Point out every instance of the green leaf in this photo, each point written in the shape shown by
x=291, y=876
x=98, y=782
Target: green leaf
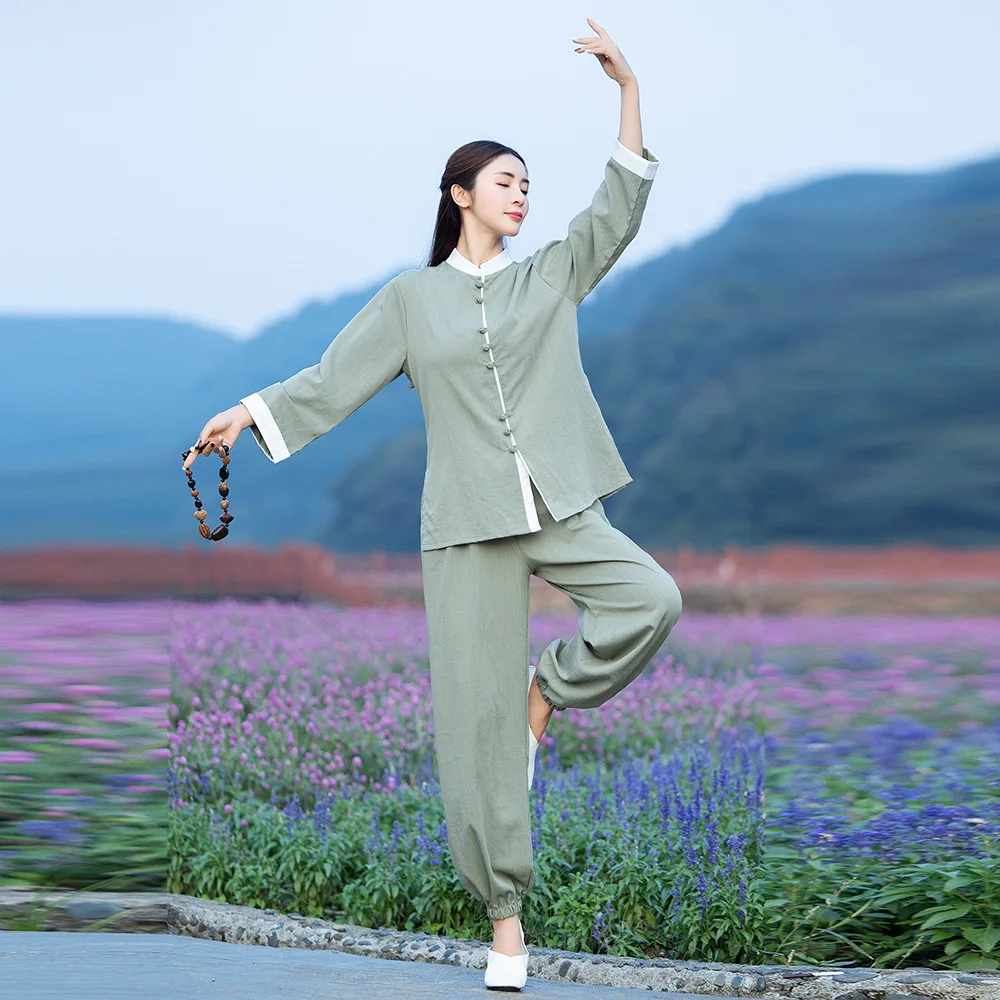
x=957, y=882
x=984, y=938
x=951, y=913
x=974, y=960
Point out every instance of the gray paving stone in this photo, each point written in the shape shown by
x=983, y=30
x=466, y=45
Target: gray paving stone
x=62, y=965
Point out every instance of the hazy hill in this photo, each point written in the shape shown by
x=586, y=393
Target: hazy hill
x=823, y=367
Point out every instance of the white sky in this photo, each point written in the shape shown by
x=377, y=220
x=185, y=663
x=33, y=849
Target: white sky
x=227, y=160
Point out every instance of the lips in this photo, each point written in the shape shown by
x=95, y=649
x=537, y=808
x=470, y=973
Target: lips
x=515, y=215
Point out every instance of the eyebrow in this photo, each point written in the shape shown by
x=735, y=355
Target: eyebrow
x=510, y=175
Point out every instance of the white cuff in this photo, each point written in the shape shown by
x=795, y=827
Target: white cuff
x=265, y=424
x=646, y=169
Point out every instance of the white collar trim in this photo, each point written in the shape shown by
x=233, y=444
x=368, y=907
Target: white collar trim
x=497, y=263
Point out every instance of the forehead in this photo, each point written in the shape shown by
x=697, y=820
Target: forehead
x=509, y=165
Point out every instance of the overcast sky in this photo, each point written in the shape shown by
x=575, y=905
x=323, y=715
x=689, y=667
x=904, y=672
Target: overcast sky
x=225, y=161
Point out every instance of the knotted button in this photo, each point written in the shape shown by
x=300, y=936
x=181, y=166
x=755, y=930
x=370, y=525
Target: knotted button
x=507, y=433
x=504, y=416
x=513, y=447
x=479, y=300
x=480, y=283
x=482, y=329
x=489, y=364
x=486, y=347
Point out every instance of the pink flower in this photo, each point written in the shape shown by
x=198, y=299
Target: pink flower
x=95, y=743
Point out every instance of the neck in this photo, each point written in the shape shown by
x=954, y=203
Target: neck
x=479, y=248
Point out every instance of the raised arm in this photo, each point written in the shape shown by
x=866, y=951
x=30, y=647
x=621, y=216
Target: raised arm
x=597, y=236
x=361, y=360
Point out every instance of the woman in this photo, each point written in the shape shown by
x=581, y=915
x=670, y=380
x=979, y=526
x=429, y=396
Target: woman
x=518, y=461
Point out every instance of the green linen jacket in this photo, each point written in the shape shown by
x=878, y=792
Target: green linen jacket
x=493, y=353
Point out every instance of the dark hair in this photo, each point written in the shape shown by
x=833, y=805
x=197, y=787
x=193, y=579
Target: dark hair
x=461, y=168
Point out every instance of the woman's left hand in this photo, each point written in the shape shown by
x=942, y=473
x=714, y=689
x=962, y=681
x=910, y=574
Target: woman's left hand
x=610, y=57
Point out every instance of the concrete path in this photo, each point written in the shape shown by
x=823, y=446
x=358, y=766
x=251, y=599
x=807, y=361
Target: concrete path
x=63, y=965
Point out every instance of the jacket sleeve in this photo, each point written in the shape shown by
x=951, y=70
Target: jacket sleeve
x=367, y=354
x=598, y=235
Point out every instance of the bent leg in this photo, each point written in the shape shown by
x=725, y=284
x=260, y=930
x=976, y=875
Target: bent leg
x=476, y=603
x=628, y=605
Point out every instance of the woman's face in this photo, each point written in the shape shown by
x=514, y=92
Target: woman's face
x=500, y=196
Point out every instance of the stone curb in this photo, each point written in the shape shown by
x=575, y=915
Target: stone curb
x=163, y=913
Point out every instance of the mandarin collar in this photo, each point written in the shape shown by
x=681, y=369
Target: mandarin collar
x=494, y=264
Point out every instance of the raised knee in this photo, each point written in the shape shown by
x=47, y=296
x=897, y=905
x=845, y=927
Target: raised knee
x=668, y=601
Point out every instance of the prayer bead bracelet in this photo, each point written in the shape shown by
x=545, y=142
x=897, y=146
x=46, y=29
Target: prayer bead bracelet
x=220, y=531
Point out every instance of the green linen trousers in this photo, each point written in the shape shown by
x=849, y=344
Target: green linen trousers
x=477, y=603
x=519, y=459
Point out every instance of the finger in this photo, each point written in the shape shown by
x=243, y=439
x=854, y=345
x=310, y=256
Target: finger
x=597, y=27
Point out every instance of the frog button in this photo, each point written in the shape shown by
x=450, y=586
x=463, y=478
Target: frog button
x=480, y=283
x=490, y=364
x=482, y=329
x=513, y=447
x=486, y=347
x=479, y=300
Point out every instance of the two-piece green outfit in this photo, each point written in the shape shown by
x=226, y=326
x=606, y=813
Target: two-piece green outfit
x=519, y=459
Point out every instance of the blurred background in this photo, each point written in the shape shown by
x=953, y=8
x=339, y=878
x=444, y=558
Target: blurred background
x=797, y=355
x=798, y=348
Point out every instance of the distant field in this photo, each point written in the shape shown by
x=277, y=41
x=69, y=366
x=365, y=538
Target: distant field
x=785, y=579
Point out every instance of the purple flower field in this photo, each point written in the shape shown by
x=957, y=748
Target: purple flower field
x=295, y=698
x=83, y=742
x=270, y=730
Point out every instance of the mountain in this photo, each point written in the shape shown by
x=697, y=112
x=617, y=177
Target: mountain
x=821, y=368
x=100, y=409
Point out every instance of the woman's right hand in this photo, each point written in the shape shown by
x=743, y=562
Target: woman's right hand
x=223, y=428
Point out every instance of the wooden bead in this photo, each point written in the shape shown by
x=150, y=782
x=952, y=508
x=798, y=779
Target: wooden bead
x=220, y=531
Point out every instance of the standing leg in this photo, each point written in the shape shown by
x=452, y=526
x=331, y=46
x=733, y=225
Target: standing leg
x=476, y=602
x=628, y=605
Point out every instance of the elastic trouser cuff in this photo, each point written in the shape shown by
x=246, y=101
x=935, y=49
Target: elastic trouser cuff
x=542, y=685
x=509, y=908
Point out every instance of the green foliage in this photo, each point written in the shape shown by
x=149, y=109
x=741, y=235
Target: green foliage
x=597, y=887
x=933, y=914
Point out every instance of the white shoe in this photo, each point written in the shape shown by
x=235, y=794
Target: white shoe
x=507, y=972
x=532, y=742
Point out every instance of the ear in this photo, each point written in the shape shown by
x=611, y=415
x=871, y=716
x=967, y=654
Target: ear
x=460, y=196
